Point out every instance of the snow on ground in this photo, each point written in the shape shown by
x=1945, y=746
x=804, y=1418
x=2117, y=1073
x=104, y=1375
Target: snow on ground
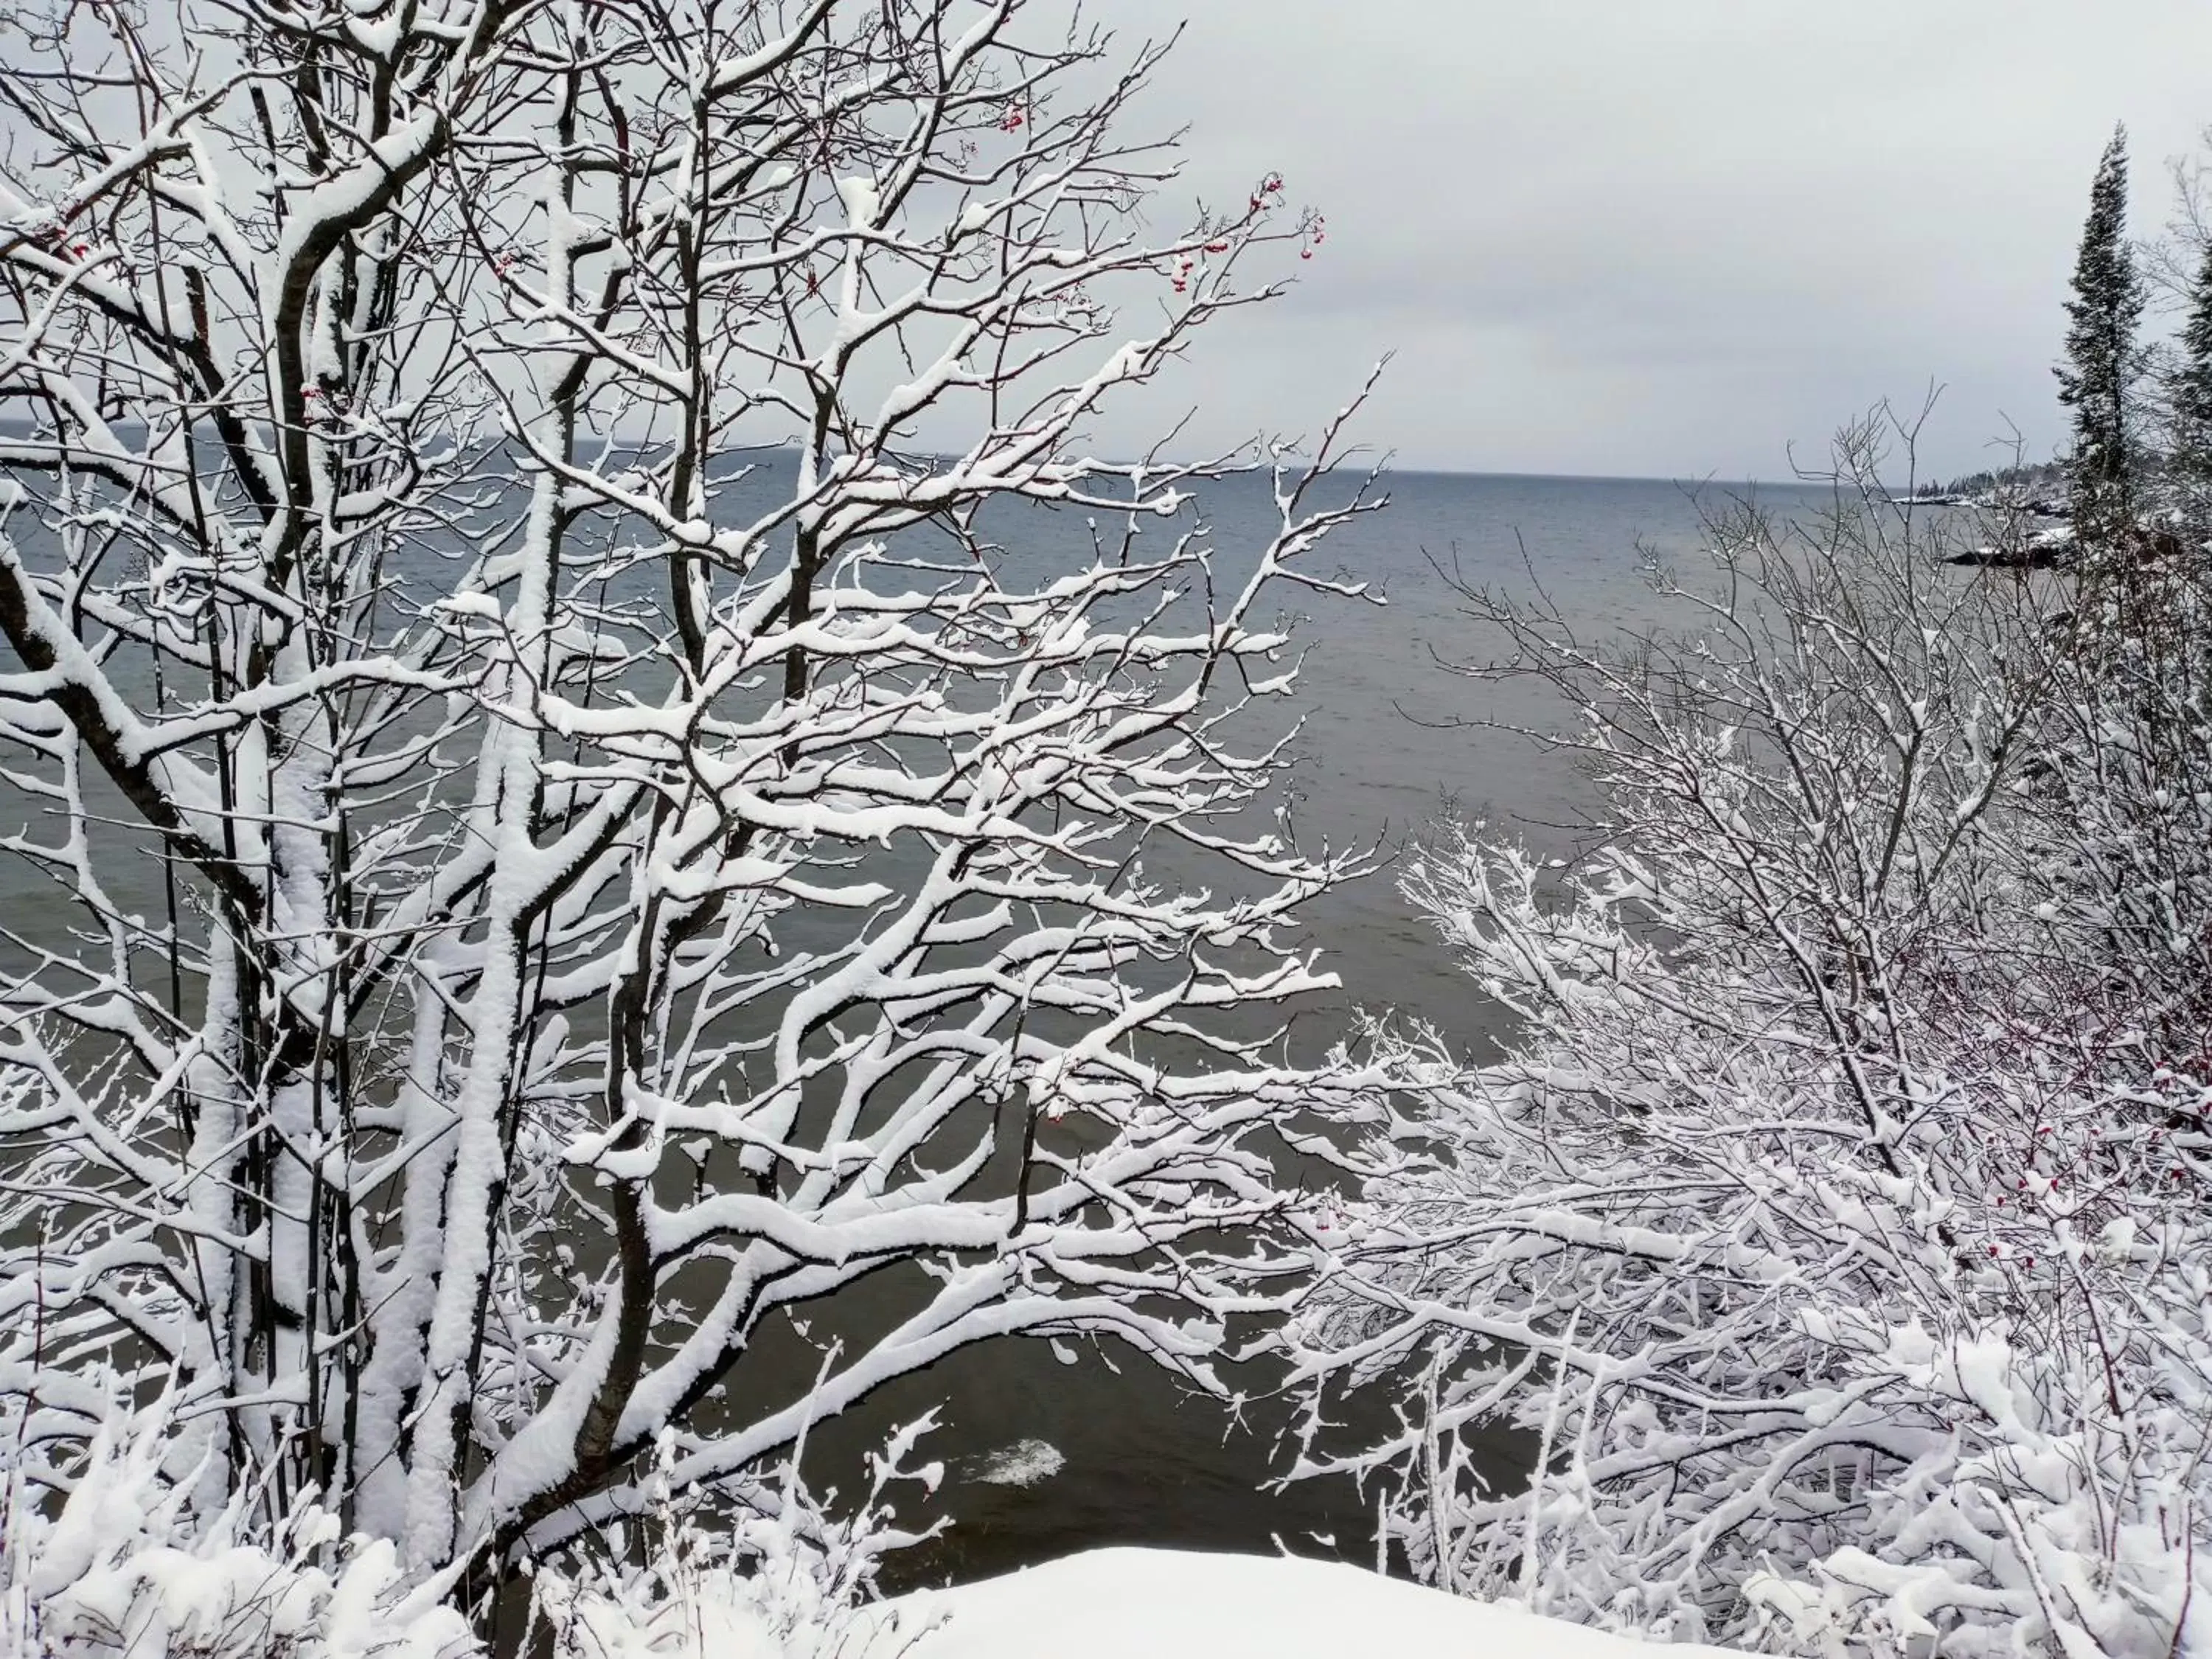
x=1169, y=1604
x=1102, y=1604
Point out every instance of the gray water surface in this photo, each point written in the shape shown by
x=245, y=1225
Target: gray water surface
x=1391, y=744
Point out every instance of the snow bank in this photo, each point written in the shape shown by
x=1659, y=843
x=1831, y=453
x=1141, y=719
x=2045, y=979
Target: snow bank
x=1168, y=1604
x=1108, y=1604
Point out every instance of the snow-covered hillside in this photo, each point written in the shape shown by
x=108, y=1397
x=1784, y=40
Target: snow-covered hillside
x=1167, y=1604
x=1139, y=1604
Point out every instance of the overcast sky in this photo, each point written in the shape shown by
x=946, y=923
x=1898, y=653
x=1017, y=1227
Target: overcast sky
x=1666, y=238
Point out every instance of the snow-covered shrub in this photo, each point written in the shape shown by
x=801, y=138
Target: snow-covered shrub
x=786, y=1582
x=120, y=1565
x=1836, y=1222
x=2119, y=799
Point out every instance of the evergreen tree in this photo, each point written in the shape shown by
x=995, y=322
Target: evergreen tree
x=2097, y=380
x=2192, y=394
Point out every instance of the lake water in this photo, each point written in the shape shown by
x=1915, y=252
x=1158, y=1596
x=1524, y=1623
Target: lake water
x=1045, y=1457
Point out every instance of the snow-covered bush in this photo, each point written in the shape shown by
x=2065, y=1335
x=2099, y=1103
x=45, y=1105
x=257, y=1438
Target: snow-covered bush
x=2120, y=799
x=120, y=1565
x=1837, y=1224
x=791, y=1580
x=116, y=1561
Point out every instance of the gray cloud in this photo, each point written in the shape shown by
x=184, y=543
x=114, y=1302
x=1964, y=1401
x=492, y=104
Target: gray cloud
x=1669, y=237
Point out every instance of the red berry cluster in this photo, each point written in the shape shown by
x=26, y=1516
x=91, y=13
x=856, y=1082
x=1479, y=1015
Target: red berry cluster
x=57, y=241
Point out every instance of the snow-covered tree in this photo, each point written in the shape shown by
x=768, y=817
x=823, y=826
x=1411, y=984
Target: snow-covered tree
x=531, y=908
x=1835, y=1226
x=2191, y=400
x=2097, y=380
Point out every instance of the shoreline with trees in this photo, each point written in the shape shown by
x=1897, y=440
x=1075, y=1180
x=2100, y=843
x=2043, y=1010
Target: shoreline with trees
x=576, y=975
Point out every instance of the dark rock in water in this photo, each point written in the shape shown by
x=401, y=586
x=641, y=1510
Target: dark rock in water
x=2053, y=549
x=2032, y=555
x=2047, y=550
